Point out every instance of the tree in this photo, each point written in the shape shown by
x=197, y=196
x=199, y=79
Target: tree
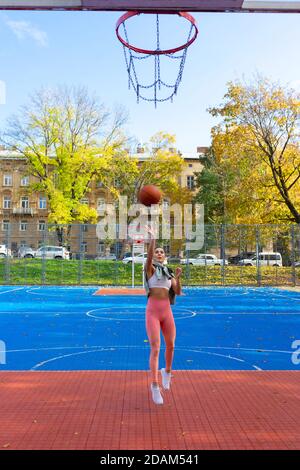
x=162, y=168
x=259, y=134
x=211, y=183
x=68, y=139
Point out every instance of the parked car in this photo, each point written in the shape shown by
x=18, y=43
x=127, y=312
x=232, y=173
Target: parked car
x=137, y=258
x=297, y=264
x=52, y=252
x=110, y=257
x=174, y=260
x=263, y=259
x=205, y=260
x=26, y=252
x=246, y=255
x=5, y=252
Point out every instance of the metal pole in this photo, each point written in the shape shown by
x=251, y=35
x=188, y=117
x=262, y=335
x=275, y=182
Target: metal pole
x=258, y=271
x=293, y=255
x=223, y=253
x=80, y=254
x=7, y=262
x=43, y=261
x=132, y=266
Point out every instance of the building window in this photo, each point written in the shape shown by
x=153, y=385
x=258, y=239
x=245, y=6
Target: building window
x=6, y=202
x=85, y=227
x=7, y=180
x=23, y=244
x=99, y=184
x=23, y=226
x=166, y=249
x=190, y=182
x=84, y=201
x=101, y=248
x=40, y=243
x=5, y=225
x=101, y=203
x=25, y=181
x=42, y=225
x=83, y=247
x=24, y=202
x=43, y=202
x=165, y=204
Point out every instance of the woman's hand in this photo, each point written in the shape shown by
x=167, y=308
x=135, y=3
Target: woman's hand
x=150, y=231
x=178, y=272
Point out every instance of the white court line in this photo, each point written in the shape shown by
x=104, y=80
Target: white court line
x=59, y=288
x=127, y=347
x=258, y=349
x=287, y=297
x=191, y=314
x=11, y=290
x=133, y=346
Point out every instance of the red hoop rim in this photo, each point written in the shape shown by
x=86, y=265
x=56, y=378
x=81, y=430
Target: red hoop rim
x=130, y=14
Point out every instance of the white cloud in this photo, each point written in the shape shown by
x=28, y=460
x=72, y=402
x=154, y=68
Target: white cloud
x=24, y=29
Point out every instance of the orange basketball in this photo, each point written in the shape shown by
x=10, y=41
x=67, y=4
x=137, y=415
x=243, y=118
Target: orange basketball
x=149, y=194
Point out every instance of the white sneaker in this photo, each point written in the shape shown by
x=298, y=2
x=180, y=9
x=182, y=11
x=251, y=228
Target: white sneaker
x=156, y=395
x=166, y=379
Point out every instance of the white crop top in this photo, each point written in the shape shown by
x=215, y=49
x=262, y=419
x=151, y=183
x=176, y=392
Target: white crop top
x=164, y=283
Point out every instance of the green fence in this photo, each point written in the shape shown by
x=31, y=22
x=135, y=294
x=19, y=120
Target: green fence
x=24, y=259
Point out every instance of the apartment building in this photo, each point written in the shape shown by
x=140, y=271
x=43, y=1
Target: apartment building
x=24, y=214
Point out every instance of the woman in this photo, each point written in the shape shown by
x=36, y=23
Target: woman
x=159, y=317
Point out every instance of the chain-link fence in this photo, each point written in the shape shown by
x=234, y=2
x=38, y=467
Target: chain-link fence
x=44, y=254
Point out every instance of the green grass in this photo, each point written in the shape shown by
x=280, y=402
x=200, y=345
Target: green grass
x=73, y=272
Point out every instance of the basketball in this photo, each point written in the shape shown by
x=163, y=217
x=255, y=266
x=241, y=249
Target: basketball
x=149, y=194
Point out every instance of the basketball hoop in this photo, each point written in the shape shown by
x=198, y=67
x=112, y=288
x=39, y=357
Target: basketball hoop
x=133, y=54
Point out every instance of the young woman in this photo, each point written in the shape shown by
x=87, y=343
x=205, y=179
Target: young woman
x=159, y=316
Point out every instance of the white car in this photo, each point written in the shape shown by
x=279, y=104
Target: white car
x=263, y=259
x=26, y=252
x=5, y=252
x=137, y=258
x=110, y=257
x=52, y=252
x=204, y=260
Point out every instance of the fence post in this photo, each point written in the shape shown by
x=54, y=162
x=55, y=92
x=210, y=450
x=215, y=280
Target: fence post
x=223, y=253
x=257, y=249
x=43, y=273
x=7, y=262
x=293, y=255
x=187, y=264
x=80, y=253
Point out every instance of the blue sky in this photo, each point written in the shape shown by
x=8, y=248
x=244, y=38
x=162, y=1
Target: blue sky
x=80, y=48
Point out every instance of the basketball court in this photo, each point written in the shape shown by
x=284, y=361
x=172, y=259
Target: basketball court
x=76, y=375
x=76, y=371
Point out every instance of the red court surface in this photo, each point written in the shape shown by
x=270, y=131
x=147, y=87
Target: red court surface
x=108, y=410
x=120, y=291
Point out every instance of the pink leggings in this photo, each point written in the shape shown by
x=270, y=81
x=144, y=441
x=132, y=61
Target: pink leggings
x=159, y=316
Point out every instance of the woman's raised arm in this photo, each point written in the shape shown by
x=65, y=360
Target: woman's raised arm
x=151, y=248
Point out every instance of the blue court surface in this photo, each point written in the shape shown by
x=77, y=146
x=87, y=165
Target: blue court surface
x=69, y=328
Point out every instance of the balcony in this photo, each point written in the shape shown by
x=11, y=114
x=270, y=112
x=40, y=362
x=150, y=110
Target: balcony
x=24, y=211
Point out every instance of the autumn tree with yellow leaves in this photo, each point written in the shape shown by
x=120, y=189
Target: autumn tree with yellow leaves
x=68, y=139
x=256, y=154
